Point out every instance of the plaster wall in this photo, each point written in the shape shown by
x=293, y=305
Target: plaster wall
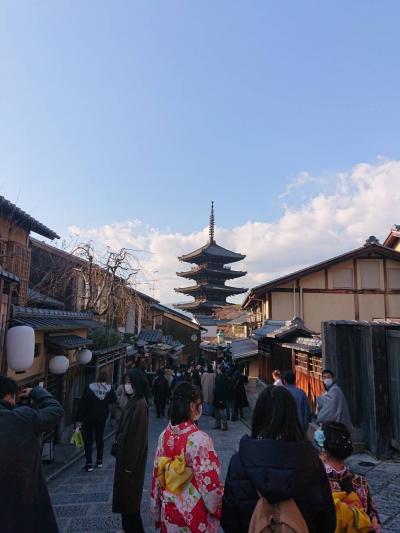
x=313, y=281
x=393, y=301
x=371, y=306
x=283, y=305
x=318, y=307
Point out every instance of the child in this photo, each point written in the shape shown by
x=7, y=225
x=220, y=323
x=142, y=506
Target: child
x=354, y=505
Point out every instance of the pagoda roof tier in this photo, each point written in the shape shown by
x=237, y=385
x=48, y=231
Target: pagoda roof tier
x=202, y=270
x=210, y=287
x=212, y=252
x=195, y=306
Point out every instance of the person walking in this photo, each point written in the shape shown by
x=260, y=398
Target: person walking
x=160, y=392
x=241, y=400
x=302, y=403
x=93, y=410
x=186, y=491
x=207, y=387
x=131, y=443
x=276, y=376
x=123, y=394
x=278, y=463
x=332, y=405
x=220, y=398
x=25, y=502
x=351, y=494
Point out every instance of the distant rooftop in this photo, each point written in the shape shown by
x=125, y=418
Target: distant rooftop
x=16, y=215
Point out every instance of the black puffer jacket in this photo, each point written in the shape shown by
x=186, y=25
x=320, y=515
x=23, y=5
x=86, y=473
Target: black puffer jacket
x=94, y=406
x=279, y=470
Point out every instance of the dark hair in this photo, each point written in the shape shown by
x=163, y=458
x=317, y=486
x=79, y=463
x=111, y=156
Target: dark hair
x=7, y=386
x=102, y=377
x=179, y=409
x=328, y=371
x=123, y=379
x=275, y=416
x=210, y=369
x=289, y=377
x=337, y=440
x=139, y=382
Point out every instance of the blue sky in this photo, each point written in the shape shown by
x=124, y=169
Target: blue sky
x=125, y=119
x=148, y=110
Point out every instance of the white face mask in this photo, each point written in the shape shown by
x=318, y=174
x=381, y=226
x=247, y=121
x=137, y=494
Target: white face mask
x=328, y=382
x=198, y=415
x=128, y=389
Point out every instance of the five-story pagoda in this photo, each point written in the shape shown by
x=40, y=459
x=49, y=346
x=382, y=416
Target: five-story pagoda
x=210, y=275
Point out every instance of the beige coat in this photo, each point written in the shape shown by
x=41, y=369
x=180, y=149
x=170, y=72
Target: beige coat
x=207, y=387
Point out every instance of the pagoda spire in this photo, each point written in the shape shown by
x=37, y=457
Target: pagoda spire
x=212, y=224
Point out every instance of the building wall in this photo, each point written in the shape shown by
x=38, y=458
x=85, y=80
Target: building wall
x=253, y=368
x=283, y=307
x=319, y=307
x=183, y=333
x=352, y=290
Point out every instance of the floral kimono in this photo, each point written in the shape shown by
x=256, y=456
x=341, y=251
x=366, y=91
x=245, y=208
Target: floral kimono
x=345, y=480
x=197, y=508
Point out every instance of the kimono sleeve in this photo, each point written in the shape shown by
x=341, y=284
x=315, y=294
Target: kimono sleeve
x=155, y=496
x=206, y=470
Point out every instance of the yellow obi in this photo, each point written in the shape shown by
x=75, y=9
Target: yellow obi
x=350, y=516
x=173, y=474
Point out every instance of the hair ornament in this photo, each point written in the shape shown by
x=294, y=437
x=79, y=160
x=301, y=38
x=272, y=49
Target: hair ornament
x=319, y=437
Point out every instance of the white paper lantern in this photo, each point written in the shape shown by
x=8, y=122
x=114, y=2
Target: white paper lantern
x=20, y=348
x=84, y=356
x=58, y=364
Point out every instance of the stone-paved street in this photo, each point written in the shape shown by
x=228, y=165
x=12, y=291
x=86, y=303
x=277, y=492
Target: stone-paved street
x=83, y=500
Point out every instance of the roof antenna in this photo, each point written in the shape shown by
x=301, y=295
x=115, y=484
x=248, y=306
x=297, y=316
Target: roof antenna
x=212, y=224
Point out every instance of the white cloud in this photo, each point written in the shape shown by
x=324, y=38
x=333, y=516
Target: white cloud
x=363, y=201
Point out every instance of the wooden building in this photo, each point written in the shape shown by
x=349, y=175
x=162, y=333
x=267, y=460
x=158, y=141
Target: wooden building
x=363, y=284
x=15, y=261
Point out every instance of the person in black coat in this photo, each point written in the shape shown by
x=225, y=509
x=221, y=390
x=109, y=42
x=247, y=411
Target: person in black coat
x=279, y=463
x=93, y=410
x=25, y=502
x=221, y=392
x=240, y=396
x=160, y=392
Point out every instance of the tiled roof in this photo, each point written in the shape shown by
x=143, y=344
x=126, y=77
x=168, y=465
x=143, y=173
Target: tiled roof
x=39, y=298
x=243, y=348
x=52, y=319
x=68, y=342
x=9, y=276
x=268, y=327
x=309, y=345
x=213, y=251
x=16, y=215
x=289, y=328
x=150, y=335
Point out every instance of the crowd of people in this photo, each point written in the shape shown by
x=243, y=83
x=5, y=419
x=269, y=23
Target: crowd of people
x=278, y=478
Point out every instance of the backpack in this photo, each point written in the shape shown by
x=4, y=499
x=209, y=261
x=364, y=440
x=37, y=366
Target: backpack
x=281, y=517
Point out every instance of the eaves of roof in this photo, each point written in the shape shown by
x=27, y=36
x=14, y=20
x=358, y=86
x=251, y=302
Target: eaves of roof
x=363, y=251
x=16, y=215
x=68, y=342
x=9, y=276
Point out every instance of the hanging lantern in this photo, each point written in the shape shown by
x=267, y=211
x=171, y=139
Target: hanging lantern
x=20, y=348
x=84, y=356
x=58, y=364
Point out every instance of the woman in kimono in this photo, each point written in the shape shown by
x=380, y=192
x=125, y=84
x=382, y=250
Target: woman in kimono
x=186, y=493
